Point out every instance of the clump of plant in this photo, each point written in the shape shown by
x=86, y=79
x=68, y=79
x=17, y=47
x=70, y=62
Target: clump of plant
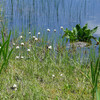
x=80, y=34
x=4, y=51
x=94, y=77
x=95, y=72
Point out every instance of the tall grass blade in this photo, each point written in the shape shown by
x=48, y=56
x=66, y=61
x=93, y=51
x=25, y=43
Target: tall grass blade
x=2, y=67
x=98, y=94
x=2, y=37
x=8, y=44
x=92, y=72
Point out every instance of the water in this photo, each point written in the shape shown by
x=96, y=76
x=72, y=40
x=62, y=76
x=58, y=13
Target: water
x=43, y=14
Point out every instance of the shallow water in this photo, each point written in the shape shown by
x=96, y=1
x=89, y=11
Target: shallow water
x=43, y=14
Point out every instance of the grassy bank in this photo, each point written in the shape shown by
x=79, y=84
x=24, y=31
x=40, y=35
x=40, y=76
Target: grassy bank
x=40, y=69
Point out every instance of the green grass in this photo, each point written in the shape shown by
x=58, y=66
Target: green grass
x=46, y=74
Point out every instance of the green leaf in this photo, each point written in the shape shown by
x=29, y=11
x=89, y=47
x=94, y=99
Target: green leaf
x=85, y=26
x=64, y=35
x=94, y=30
x=2, y=37
x=75, y=31
x=95, y=39
x=7, y=47
x=10, y=54
x=68, y=37
x=78, y=27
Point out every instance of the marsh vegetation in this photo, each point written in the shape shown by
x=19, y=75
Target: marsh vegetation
x=38, y=64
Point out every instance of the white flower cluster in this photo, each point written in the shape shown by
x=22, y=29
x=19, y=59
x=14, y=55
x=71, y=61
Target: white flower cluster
x=18, y=57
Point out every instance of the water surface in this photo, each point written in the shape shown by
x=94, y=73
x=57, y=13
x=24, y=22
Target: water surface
x=43, y=14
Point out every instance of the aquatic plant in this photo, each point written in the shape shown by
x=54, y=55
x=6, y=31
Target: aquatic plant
x=80, y=34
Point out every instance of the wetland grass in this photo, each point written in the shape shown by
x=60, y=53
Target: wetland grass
x=43, y=69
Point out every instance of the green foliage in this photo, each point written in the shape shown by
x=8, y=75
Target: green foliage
x=4, y=51
x=80, y=34
x=70, y=35
x=95, y=71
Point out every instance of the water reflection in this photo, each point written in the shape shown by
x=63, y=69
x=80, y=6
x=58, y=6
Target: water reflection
x=51, y=13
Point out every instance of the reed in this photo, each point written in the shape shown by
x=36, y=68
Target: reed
x=5, y=53
x=95, y=72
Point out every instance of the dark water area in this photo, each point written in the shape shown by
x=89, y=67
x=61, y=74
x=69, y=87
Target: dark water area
x=52, y=14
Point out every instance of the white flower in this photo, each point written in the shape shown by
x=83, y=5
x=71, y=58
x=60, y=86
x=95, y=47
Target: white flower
x=14, y=86
x=21, y=37
x=28, y=50
x=13, y=44
x=29, y=33
x=38, y=33
x=21, y=57
x=49, y=47
x=22, y=44
x=48, y=30
x=17, y=47
x=53, y=75
x=54, y=30
x=61, y=27
x=61, y=74
x=0, y=47
x=17, y=57
x=34, y=37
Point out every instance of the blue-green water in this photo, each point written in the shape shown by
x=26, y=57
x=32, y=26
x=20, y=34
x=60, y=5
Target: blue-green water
x=43, y=14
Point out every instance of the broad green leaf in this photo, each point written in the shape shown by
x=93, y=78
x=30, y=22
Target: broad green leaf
x=85, y=26
x=78, y=27
x=67, y=37
x=94, y=30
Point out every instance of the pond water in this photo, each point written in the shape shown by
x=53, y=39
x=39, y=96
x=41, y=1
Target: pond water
x=43, y=14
